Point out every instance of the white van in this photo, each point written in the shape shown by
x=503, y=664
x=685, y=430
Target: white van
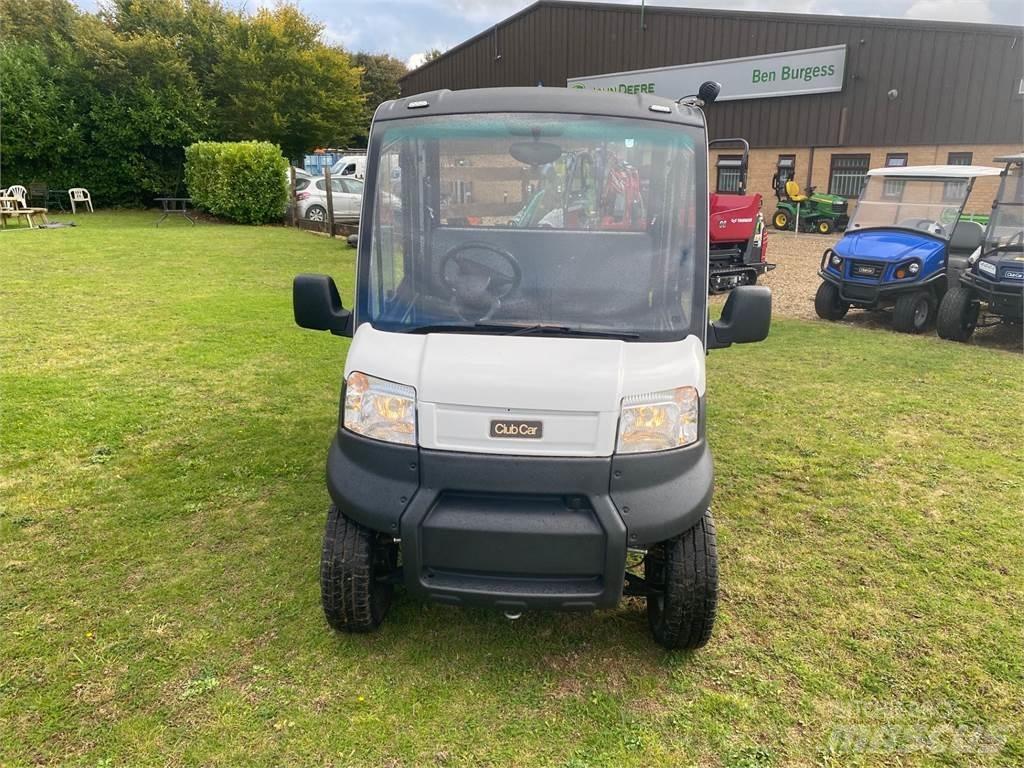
x=350, y=165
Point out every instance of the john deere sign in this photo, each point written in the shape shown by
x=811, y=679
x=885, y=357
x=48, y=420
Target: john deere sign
x=789, y=73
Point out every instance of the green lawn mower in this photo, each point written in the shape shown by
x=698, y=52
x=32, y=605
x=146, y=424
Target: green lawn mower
x=816, y=212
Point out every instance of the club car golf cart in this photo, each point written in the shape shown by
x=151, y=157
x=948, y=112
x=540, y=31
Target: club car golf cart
x=994, y=273
x=894, y=253
x=523, y=405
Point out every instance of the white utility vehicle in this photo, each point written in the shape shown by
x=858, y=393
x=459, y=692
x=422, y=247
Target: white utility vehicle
x=349, y=165
x=522, y=408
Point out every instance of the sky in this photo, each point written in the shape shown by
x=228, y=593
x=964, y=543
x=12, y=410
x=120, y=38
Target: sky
x=408, y=28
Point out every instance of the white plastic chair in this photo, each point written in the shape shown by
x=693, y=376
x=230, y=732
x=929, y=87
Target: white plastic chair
x=19, y=192
x=79, y=195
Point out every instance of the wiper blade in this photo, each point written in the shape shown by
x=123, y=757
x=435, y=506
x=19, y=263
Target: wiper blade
x=560, y=330
x=511, y=329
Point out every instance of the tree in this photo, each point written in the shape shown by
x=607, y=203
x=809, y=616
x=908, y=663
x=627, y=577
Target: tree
x=276, y=81
x=86, y=107
x=108, y=100
x=433, y=53
x=379, y=80
x=35, y=131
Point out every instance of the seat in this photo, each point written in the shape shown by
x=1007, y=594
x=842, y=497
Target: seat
x=19, y=192
x=79, y=195
x=967, y=237
x=38, y=192
x=793, y=192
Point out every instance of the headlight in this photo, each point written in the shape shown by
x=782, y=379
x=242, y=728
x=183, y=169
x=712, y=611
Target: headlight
x=380, y=409
x=988, y=268
x=909, y=269
x=658, y=421
x=835, y=260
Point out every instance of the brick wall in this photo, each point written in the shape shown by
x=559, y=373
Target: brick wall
x=763, y=162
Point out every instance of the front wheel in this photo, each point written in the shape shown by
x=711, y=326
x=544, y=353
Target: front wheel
x=683, y=576
x=828, y=304
x=824, y=227
x=958, y=314
x=913, y=312
x=780, y=220
x=353, y=565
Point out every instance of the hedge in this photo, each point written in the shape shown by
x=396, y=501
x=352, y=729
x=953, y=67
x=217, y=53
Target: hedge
x=244, y=181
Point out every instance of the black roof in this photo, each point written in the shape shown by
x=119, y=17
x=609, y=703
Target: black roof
x=553, y=100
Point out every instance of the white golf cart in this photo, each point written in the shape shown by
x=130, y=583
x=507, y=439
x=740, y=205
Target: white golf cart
x=523, y=405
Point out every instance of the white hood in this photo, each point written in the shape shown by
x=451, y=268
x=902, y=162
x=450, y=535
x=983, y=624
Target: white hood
x=573, y=385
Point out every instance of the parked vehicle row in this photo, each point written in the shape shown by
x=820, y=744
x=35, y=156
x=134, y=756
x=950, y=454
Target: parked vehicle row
x=909, y=246
x=346, y=185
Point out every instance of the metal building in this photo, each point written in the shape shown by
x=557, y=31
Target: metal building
x=820, y=98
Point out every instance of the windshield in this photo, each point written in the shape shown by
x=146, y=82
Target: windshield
x=1006, y=225
x=927, y=205
x=537, y=223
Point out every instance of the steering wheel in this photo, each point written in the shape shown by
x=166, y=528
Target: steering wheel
x=475, y=286
x=931, y=226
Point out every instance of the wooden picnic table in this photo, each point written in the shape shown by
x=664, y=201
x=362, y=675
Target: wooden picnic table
x=175, y=206
x=11, y=207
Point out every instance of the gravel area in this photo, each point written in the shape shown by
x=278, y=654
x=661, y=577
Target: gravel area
x=795, y=279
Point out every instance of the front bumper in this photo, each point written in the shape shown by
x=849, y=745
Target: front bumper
x=1003, y=298
x=518, y=532
x=869, y=295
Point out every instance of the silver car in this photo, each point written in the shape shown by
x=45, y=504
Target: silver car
x=347, y=198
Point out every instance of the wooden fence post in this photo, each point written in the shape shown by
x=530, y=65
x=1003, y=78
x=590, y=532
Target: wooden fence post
x=330, y=201
x=291, y=189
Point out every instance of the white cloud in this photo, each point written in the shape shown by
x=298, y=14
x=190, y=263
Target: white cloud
x=950, y=10
x=416, y=60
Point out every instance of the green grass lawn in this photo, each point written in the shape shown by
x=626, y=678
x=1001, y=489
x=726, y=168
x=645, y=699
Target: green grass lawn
x=164, y=431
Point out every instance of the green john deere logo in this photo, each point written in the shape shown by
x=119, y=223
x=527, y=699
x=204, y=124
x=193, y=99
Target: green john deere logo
x=579, y=86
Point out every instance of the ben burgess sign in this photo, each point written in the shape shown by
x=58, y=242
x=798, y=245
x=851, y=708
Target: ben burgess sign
x=788, y=73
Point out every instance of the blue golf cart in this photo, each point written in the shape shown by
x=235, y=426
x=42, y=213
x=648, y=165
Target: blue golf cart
x=905, y=235
x=991, y=286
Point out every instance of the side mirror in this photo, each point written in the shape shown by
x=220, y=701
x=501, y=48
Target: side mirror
x=317, y=305
x=746, y=317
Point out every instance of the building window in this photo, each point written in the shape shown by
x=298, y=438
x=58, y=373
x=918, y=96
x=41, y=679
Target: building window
x=893, y=188
x=955, y=190
x=730, y=174
x=847, y=174
x=785, y=170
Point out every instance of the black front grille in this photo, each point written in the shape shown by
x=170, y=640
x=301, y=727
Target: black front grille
x=513, y=535
x=865, y=269
x=859, y=292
